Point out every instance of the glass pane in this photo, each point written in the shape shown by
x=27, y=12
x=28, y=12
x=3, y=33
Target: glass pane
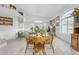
x=64, y=26
x=67, y=14
x=70, y=25
x=67, y=22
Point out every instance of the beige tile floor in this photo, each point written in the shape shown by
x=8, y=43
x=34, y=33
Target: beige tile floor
x=17, y=47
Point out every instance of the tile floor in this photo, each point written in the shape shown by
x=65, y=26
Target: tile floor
x=17, y=47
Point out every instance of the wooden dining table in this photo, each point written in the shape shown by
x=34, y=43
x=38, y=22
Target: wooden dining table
x=48, y=40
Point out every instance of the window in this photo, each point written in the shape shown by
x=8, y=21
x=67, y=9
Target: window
x=67, y=23
x=64, y=26
x=70, y=25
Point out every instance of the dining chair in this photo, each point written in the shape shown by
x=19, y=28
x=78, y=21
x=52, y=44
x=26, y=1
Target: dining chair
x=51, y=38
x=39, y=45
x=27, y=40
x=51, y=42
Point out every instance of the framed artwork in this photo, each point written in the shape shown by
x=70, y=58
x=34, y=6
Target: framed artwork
x=57, y=20
x=20, y=20
x=57, y=24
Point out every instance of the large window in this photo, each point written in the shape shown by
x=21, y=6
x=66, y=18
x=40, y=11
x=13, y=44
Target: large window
x=67, y=22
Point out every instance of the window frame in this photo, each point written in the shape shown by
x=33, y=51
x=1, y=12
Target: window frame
x=63, y=18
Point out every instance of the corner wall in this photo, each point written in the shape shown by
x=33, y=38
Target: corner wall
x=8, y=32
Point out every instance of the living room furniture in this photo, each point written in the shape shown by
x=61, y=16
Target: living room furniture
x=6, y=21
x=75, y=35
x=30, y=40
x=75, y=41
x=27, y=40
x=21, y=34
x=39, y=45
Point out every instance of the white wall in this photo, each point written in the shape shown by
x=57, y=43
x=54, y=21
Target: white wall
x=30, y=20
x=8, y=32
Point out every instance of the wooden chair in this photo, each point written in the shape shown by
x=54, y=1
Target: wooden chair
x=51, y=43
x=49, y=40
x=27, y=40
x=39, y=46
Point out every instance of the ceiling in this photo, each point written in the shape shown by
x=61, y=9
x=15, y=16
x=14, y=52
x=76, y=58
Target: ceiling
x=42, y=12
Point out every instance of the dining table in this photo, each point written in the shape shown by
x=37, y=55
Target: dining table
x=48, y=40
